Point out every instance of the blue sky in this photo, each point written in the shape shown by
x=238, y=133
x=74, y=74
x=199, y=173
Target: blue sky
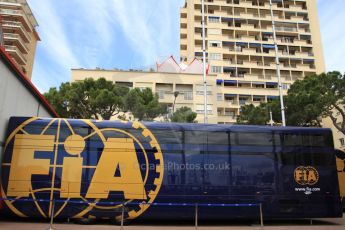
x=133, y=34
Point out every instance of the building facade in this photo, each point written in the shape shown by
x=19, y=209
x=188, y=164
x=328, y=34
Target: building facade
x=222, y=107
x=19, y=33
x=240, y=45
x=240, y=54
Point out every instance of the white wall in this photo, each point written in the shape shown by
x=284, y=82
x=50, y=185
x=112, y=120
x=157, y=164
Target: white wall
x=16, y=100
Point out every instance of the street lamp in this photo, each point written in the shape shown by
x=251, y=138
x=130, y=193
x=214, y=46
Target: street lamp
x=176, y=93
x=204, y=58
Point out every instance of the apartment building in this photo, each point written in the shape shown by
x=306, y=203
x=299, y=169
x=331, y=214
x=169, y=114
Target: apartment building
x=189, y=86
x=240, y=45
x=222, y=107
x=240, y=55
x=19, y=33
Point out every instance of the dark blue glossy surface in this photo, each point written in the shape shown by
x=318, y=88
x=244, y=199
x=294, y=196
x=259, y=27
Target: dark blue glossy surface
x=223, y=164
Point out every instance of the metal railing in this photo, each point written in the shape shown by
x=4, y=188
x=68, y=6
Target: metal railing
x=15, y=49
x=18, y=25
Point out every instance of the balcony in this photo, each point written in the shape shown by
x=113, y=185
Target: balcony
x=12, y=25
x=297, y=8
x=228, y=104
x=249, y=51
x=286, y=29
x=19, y=14
x=230, y=115
x=16, y=54
x=245, y=38
x=297, y=19
x=248, y=27
x=183, y=30
x=17, y=39
x=302, y=42
x=245, y=102
x=304, y=30
x=304, y=67
x=308, y=55
x=223, y=119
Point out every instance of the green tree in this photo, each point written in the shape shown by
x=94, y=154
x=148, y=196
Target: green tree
x=316, y=96
x=88, y=99
x=184, y=115
x=253, y=115
x=307, y=101
x=57, y=100
x=144, y=104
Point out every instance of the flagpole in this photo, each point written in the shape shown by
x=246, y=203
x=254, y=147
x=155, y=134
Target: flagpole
x=278, y=66
x=204, y=60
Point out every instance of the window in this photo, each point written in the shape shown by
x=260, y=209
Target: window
x=215, y=56
x=200, y=109
x=214, y=19
x=252, y=139
x=161, y=94
x=286, y=86
x=305, y=139
x=215, y=44
x=238, y=48
x=299, y=156
x=188, y=95
x=201, y=93
x=200, y=89
x=216, y=69
x=342, y=141
x=219, y=97
x=171, y=137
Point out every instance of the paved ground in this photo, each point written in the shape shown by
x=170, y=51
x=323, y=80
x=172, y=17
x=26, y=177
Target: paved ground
x=319, y=224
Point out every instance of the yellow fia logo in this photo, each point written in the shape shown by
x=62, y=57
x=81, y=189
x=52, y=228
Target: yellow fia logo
x=306, y=175
x=118, y=153
x=82, y=160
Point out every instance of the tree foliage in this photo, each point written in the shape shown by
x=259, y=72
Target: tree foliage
x=257, y=115
x=102, y=99
x=184, y=115
x=316, y=96
x=307, y=101
x=89, y=99
x=144, y=104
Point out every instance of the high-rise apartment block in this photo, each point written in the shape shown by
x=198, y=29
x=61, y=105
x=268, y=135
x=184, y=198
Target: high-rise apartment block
x=240, y=45
x=19, y=32
x=240, y=53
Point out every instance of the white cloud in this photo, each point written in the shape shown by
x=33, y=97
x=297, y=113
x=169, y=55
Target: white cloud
x=56, y=55
x=149, y=28
x=86, y=33
x=94, y=31
x=133, y=17
x=52, y=32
